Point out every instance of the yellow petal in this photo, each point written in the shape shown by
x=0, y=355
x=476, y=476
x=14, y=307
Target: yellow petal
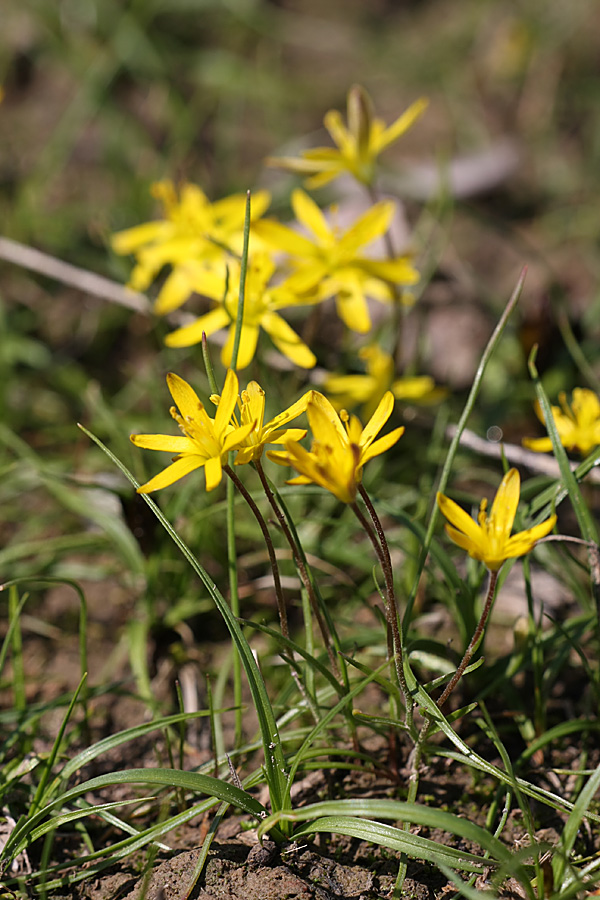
x=323, y=178
x=185, y=397
x=171, y=474
x=466, y=543
x=174, y=292
x=504, y=507
x=384, y=443
x=247, y=348
x=131, y=239
x=192, y=334
x=283, y=238
x=168, y=442
x=370, y=226
x=398, y=271
x=253, y=405
x=378, y=419
x=283, y=436
x=402, y=124
x=227, y=403
x=358, y=388
x=586, y=406
x=212, y=472
x=237, y=437
x=287, y=341
x=538, y=445
x=308, y=213
x=319, y=406
x=459, y=518
x=339, y=133
x=413, y=388
x=524, y=541
x=352, y=308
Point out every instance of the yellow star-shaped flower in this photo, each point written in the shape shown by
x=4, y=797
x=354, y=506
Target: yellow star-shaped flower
x=204, y=441
x=489, y=539
x=578, y=425
x=368, y=389
x=192, y=231
x=329, y=263
x=340, y=447
x=260, y=311
x=358, y=143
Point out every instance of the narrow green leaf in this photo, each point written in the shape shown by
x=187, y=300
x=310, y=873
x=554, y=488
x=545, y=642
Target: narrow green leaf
x=274, y=759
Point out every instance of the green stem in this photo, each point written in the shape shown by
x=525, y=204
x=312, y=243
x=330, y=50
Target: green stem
x=383, y=553
x=242, y=294
x=234, y=601
x=302, y=571
x=474, y=642
x=283, y=620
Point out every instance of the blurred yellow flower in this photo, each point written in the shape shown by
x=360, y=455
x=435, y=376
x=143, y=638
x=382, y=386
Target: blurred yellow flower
x=329, y=264
x=489, y=539
x=368, y=389
x=192, y=230
x=340, y=447
x=251, y=407
x=358, y=143
x=578, y=425
x=204, y=441
x=261, y=303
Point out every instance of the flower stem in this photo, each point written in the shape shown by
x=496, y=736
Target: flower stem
x=380, y=545
x=474, y=642
x=283, y=620
x=306, y=581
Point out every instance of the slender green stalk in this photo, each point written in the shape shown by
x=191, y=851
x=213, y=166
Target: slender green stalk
x=391, y=608
x=283, y=620
x=210, y=372
x=242, y=294
x=302, y=571
x=474, y=642
x=231, y=547
x=392, y=612
x=234, y=601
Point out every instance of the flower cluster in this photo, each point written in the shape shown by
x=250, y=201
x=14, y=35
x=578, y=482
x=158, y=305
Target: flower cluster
x=196, y=248
x=340, y=448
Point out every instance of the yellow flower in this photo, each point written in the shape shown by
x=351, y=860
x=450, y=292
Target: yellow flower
x=330, y=265
x=339, y=451
x=578, y=425
x=490, y=540
x=251, y=407
x=358, y=143
x=193, y=231
x=205, y=441
x=260, y=305
x=369, y=389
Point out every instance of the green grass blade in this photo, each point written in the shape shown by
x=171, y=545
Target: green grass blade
x=274, y=759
